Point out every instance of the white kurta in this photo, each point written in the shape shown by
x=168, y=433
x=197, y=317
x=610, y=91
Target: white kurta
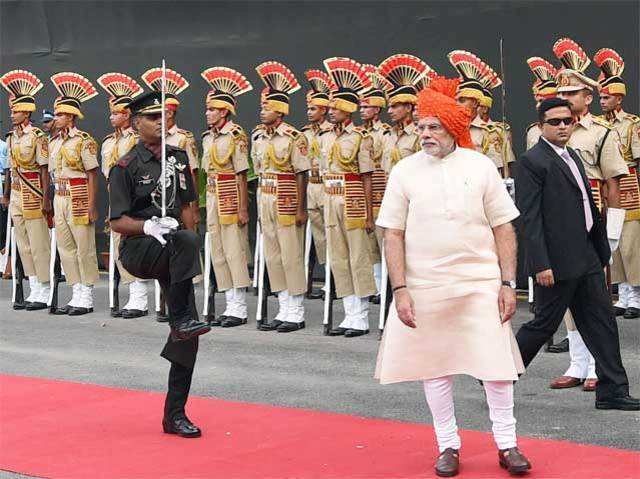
x=447, y=208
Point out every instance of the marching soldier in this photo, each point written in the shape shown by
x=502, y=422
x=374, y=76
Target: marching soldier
x=279, y=154
x=404, y=75
x=183, y=139
x=122, y=90
x=372, y=102
x=545, y=86
x=626, y=260
x=317, y=111
x=347, y=165
x=598, y=145
x=26, y=184
x=225, y=161
x=74, y=164
x=474, y=91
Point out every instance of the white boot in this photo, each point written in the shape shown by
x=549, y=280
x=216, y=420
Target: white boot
x=138, y=302
x=296, y=309
x=634, y=297
x=283, y=305
x=44, y=293
x=591, y=368
x=87, y=296
x=228, y=300
x=76, y=297
x=34, y=289
x=624, y=290
x=377, y=275
x=579, y=355
x=240, y=303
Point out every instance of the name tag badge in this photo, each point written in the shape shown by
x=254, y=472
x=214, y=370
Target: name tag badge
x=183, y=181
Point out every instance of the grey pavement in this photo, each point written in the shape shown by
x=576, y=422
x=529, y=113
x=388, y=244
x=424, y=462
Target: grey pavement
x=303, y=369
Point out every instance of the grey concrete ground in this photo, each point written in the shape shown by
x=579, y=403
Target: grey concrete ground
x=302, y=369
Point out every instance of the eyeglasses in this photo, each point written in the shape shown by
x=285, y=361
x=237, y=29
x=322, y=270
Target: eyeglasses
x=556, y=121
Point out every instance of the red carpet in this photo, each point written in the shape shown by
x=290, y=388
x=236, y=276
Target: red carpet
x=58, y=429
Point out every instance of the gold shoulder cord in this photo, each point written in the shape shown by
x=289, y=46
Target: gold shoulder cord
x=395, y=156
x=377, y=155
x=281, y=164
x=348, y=163
x=486, y=142
x=626, y=147
x=23, y=161
x=72, y=160
x=219, y=164
x=314, y=148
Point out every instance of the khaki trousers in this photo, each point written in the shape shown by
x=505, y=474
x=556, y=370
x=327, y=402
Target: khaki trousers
x=351, y=263
x=125, y=276
x=283, y=249
x=315, y=208
x=34, y=244
x=626, y=259
x=76, y=245
x=229, y=247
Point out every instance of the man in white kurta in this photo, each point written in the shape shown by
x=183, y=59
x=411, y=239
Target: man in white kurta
x=450, y=250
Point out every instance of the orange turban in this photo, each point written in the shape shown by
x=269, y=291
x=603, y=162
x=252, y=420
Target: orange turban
x=438, y=100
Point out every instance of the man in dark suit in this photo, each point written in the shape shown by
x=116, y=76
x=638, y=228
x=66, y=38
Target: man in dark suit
x=567, y=249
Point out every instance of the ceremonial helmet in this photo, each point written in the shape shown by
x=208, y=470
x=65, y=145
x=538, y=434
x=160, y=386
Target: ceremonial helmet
x=406, y=75
x=281, y=82
x=22, y=87
x=611, y=65
x=122, y=90
x=226, y=84
x=74, y=90
x=350, y=81
x=545, y=84
x=572, y=77
x=321, y=87
x=174, y=85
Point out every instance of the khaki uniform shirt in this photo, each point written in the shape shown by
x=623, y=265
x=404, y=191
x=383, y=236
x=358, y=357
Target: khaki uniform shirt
x=27, y=148
x=628, y=127
x=184, y=140
x=225, y=150
x=533, y=134
x=590, y=140
x=72, y=153
x=400, y=142
x=115, y=146
x=312, y=133
x=378, y=132
x=280, y=150
x=354, y=147
x=488, y=137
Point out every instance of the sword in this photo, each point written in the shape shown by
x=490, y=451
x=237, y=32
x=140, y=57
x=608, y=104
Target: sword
x=508, y=181
x=114, y=278
x=164, y=140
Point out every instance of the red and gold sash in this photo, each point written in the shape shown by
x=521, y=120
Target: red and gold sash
x=596, y=192
x=287, y=198
x=630, y=195
x=226, y=187
x=378, y=185
x=79, y=188
x=30, y=194
x=355, y=204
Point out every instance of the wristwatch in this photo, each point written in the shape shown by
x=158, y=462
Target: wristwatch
x=511, y=284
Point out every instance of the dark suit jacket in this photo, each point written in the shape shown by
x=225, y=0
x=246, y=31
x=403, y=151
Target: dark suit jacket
x=552, y=216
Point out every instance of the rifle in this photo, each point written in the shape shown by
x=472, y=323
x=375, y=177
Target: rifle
x=264, y=289
x=210, y=283
x=17, y=273
x=114, y=280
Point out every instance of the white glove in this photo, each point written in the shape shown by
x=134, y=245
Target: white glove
x=158, y=227
x=615, y=221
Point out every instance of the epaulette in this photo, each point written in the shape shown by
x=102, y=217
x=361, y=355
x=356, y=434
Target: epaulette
x=38, y=131
x=8, y=134
x=386, y=127
x=322, y=132
x=361, y=130
x=205, y=133
x=502, y=125
x=291, y=131
x=84, y=135
x=238, y=131
x=126, y=159
x=305, y=128
x=633, y=118
x=185, y=133
x=532, y=125
x=107, y=137
x=601, y=121
x=256, y=132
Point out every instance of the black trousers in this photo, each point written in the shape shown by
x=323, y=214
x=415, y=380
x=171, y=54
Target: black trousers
x=590, y=304
x=173, y=266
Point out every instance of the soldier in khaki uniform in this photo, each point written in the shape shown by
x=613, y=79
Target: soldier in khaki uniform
x=347, y=165
x=122, y=90
x=545, y=86
x=317, y=110
x=626, y=260
x=280, y=155
x=405, y=75
x=23, y=192
x=598, y=145
x=225, y=160
x=175, y=84
x=74, y=165
x=372, y=102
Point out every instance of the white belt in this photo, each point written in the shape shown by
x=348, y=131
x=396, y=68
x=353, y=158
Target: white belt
x=269, y=182
x=335, y=183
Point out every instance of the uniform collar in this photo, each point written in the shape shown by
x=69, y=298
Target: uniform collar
x=143, y=153
x=173, y=130
x=346, y=127
x=21, y=130
x=68, y=133
x=124, y=132
x=226, y=128
x=616, y=116
x=406, y=128
x=585, y=121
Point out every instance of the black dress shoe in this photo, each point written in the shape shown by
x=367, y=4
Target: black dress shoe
x=181, y=426
x=19, y=305
x=35, y=306
x=271, y=326
x=162, y=318
x=619, y=311
x=233, y=321
x=115, y=313
x=315, y=294
x=61, y=310
x=78, y=311
x=375, y=299
x=353, y=333
x=188, y=329
x=288, y=327
x=213, y=321
x=133, y=313
x=632, y=313
x=561, y=347
x=622, y=403
x=337, y=331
